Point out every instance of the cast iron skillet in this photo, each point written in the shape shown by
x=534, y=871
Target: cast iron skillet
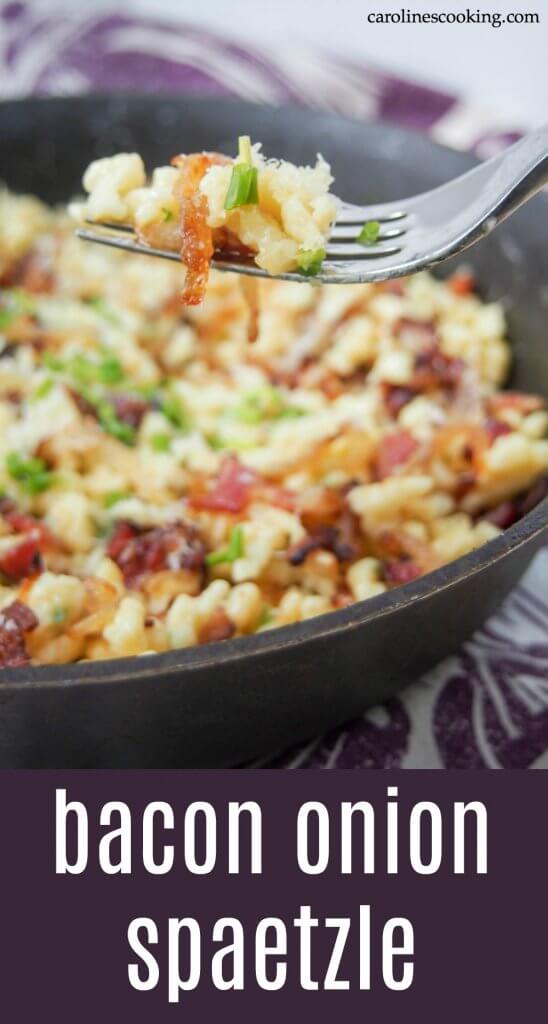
x=224, y=703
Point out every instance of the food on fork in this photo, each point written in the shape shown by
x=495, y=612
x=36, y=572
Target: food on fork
x=165, y=483
x=271, y=210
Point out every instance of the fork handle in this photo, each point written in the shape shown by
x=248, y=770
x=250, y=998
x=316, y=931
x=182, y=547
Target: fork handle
x=523, y=171
x=469, y=207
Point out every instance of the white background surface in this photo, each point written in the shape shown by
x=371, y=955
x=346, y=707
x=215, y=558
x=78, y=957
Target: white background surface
x=503, y=70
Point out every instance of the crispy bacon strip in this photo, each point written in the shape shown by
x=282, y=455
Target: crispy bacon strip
x=196, y=236
x=217, y=627
x=394, y=450
x=141, y=551
x=15, y=620
x=231, y=491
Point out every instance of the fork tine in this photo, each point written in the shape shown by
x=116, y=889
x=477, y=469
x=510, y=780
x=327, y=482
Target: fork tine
x=336, y=252
x=127, y=244
x=348, y=251
x=384, y=213
x=111, y=226
x=349, y=232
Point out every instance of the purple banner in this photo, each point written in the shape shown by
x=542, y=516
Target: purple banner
x=417, y=896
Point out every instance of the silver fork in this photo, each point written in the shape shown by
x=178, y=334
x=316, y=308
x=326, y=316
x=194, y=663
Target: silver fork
x=415, y=233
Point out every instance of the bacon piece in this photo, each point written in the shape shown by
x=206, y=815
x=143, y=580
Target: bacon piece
x=231, y=492
x=400, y=571
x=462, y=282
x=534, y=497
x=81, y=403
x=508, y=512
x=299, y=552
x=22, y=560
x=196, y=236
x=515, y=401
x=503, y=515
x=130, y=409
x=21, y=522
x=461, y=447
x=217, y=627
x=140, y=551
x=496, y=428
x=344, y=597
x=271, y=494
x=320, y=506
x=393, y=451
x=433, y=369
x=396, y=286
x=123, y=534
x=15, y=620
x=36, y=273
x=396, y=396
x=404, y=557
x=395, y=544
x=330, y=524
x=328, y=538
x=466, y=481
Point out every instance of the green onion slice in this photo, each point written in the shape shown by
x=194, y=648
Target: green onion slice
x=309, y=261
x=233, y=550
x=369, y=234
x=174, y=411
x=31, y=474
x=43, y=389
x=113, y=497
x=243, y=188
x=160, y=442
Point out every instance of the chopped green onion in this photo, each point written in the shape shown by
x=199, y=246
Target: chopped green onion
x=309, y=261
x=264, y=403
x=255, y=406
x=113, y=497
x=243, y=188
x=7, y=316
x=110, y=370
x=249, y=412
x=149, y=391
x=98, y=303
x=24, y=300
x=369, y=234
x=216, y=442
x=291, y=412
x=32, y=473
x=265, y=618
x=53, y=362
x=174, y=411
x=85, y=371
x=160, y=442
x=18, y=303
x=233, y=550
x=111, y=424
x=43, y=389
x=167, y=215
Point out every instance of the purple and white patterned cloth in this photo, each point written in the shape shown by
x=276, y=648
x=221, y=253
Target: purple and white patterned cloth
x=488, y=706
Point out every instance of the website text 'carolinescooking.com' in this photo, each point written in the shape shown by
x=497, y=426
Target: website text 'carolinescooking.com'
x=470, y=16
